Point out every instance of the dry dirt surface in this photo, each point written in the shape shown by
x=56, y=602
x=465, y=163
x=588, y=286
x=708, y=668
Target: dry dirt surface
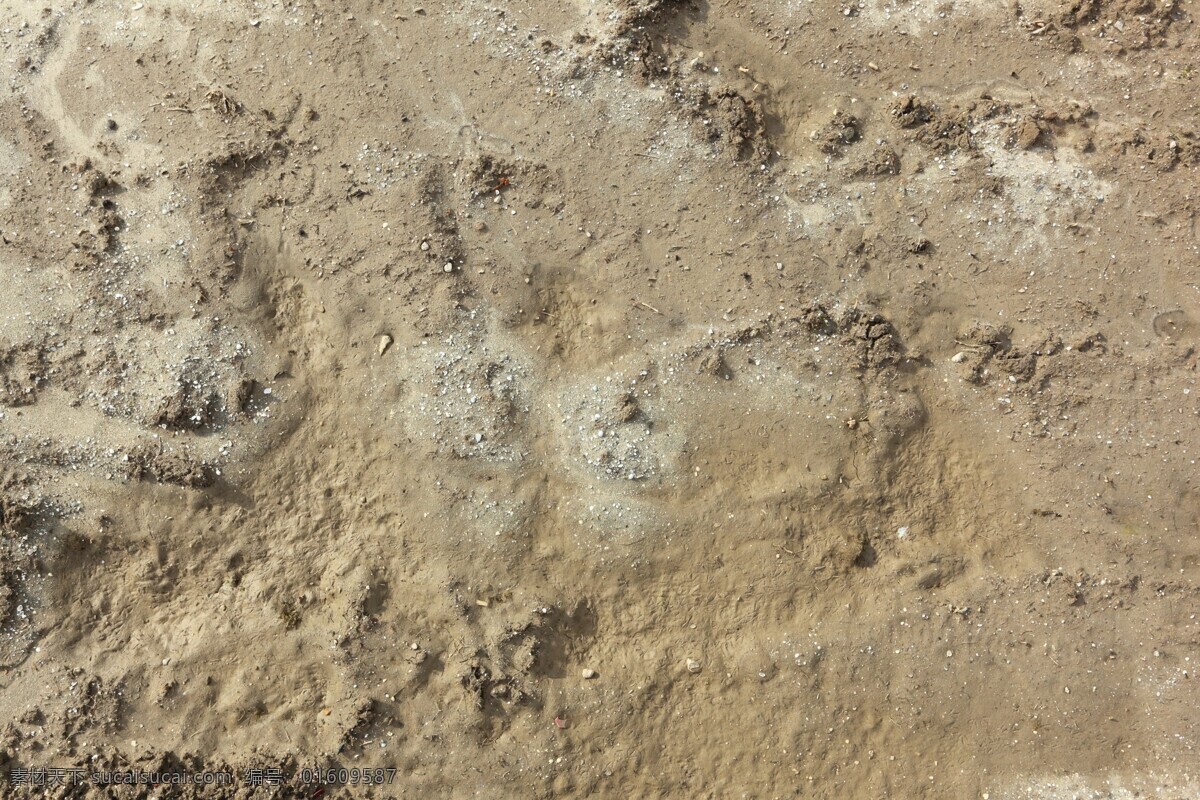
x=619, y=398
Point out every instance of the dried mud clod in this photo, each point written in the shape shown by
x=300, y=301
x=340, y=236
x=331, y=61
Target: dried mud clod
x=712, y=362
x=17, y=506
x=873, y=338
x=369, y=722
x=240, y=395
x=987, y=345
x=881, y=162
x=442, y=243
x=189, y=408
x=736, y=122
x=9, y=594
x=818, y=320
x=22, y=373
x=96, y=705
x=910, y=111
x=981, y=342
x=630, y=17
x=732, y=121
x=95, y=182
x=101, y=239
x=1163, y=151
x=289, y=613
x=634, y=42
x=1118, y=24
x=489, y=689
x=503, y=673
x=944, y=130
x=1094, y=342
x=154, y=464
x=840, y=132
x=498, y=677
x=488, y=175
x=223, y=173
x=223, y=102
x=627, y=408
x=19, y=561
x=1027, y=134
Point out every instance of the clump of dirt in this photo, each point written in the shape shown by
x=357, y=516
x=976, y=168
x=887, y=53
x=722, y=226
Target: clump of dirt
x=1120, y=24
x=159, y=465
x=833, y=137
x=1164, y=150
x=817, y=319
x=881, y=162
x=190, y=407
x=22, y=372
x=911, y=111
x=873, y=338
x=95, y=706
x=8, y=590
x=626, y=408
x=737, y=121
x=632, y=14
x=712, y=362
x=20, y=566
x=945, y=130
x=991, y=346
x=1028, y=133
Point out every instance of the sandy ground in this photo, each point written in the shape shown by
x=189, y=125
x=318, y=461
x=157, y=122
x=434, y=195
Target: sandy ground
x=627, y=398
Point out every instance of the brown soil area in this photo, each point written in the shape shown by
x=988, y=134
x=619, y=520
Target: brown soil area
x=631, y=398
